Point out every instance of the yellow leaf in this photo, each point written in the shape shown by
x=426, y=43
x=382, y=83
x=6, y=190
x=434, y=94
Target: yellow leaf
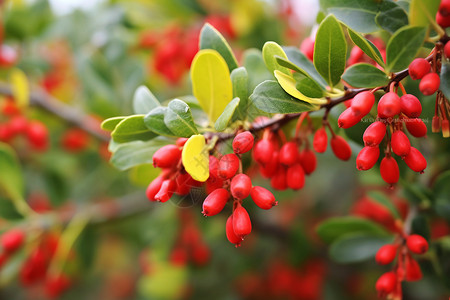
x=288, y=84
x=211, y=82
x=195, y=158
x=20, y=89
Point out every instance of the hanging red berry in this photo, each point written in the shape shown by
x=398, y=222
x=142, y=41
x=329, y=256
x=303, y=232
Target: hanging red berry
x=243, y=142
x=215, y=202
x=263, y=197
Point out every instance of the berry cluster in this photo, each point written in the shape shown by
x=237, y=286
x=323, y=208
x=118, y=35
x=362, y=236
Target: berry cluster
x=339, y=145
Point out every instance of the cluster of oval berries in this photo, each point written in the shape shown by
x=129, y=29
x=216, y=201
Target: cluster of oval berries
x=406, y=269
x=419, y=69
x=339, y=145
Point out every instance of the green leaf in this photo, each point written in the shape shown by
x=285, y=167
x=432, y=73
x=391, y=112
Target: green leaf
x=385, y=201
x=154, y=121
x=356, y=14
x=334, y=228
x=111, y=123
x=403, y=47
x=210, y=38
x=144, y=101
x=270, y=51
x=391, y=16
x=356, y=248
x=365, y=75
x=297, y=58
x=222, y=122
x=270, y=97
x=308, y=87
x=366, y=46
x=288, y=84
x=445, y=79
x=421, y=12
x=179, y=119
x=130, y=129
x=136, y=153
x=284, y=62
x=330, y=50
x=11, y=180
x=211, y=82
x=239, y=79
x=256, y=69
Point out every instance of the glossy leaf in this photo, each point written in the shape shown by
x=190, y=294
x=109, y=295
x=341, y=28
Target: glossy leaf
x=239, y=79
x=297, y=58
x=211, y=83
x=445, y=79
x=330, y=50
x=385, y=201
x=111, y=123
x=20, y=87
x=270, y=97
x=421, y=12
x=195, y=158
x=288, y=84
x=154, y=121
x=403, y=46
x=11, y=180
x=130, y=129
x=391, y=17
x=308, y=87
x=179, y=120
x=222, y=122
x=211, y=38
x=144, y=101
x=270, y=51
x=284, y=62
x=366, y=46
x=365, y=75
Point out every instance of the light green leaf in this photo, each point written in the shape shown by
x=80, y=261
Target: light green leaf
x=239, y=79
x=284, y=62
x=179, y=119
x=269, y=51
x=421, y=12
x=11, y=180
x=222, y=122
x=391, y=17
x=385, y=201
x=154, y=121
x=132, y=128
x=330, y=50
x=403, y=47
x=366, y=46
x=144, y=101
x=111, y=123
x=445, y=79
x=299, y=59
x=365, y=75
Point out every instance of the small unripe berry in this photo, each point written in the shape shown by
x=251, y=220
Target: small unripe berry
x=278, y=180
x=415, y=160
x=308, y=160
x=241, y=185
x=417, y=244
x=416, y=127
x=166, y=156
x=37, y=135
x=367, y=158
x=429, y=84
x=262, y=152
x=389, y=170
x=400, y=143
x=418, y=68
x=410, y=106
x=320, y=141
x=341, y=148
x=289, y=154
x=154, y=187
x=386, y=254
x=386, y=284
x=295, y=177
x=443, y=21
x=374, y=134
x=362, y=103
x=228, y=166
x=445, y=128
x=168, y=187
x=242, y=225
x=12, y=240
x=348, y=119
x=215, y=202
x=307, y=47
x=231, y=236
x=243, y=142
x=263, y=197
x=389, y=105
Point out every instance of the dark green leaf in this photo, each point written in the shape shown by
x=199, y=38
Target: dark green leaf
x=144, y=101
x=11, y=180
x=385, y=201
x=365, y=75
x=111, y=123
x=308, y=87
x=445, y=79
x=132, y=128
x=391, y=16
x=299, y=59
x=239, y=79
x=222, y=122
x=403, y=47
x=366, y=46
x=179, y=119
x=330, y=50
x=210, y=38
x=270, y=97
x=154, y=121
x=136, y=153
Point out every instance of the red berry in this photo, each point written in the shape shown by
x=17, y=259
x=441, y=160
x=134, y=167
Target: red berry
x=295, y=177
x=12, y=240
x=386, y=284
x=389, y=105
x=307, y=47
x=341, y=148
x=308, y=160
x=410, y=106
x=278, y=180
x=263, y=197
x=215, y=202
x=367, y=158
x=320, y=140
x=241, y=221
x=415, y=160
x=168, y=187
x=5, y=133
x=213, y=166
x=412, y=269
x=201, y=254
x=184, y=183
x=231, y=236
x=178, y=256
x=37, y=135
x=240, y=187
x=262, y=152
x=447, y=50
x=75, y=140
x=417, y=244
x=400, y=143
x=213, y=183
x=288, y=154
x=444, y=8
x=430, y=83
x=243, y=142
x=348, y=119
x=418, y=68
x=18, y=124
x=356, y=55
x=374, y=134
x=386, y=254
x=166, y=156
x=181, y=141
x=270, y=168
x=443, y=21
x=154, y=187
x=416, y=127
x=389, y=170
x=228, y=166
x=56, y=285
x=362, y=103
